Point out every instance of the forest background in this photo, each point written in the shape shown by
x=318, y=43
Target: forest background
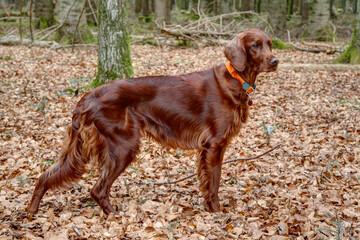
x=52, y=52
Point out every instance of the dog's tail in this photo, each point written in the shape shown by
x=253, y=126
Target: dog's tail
x=84, y=144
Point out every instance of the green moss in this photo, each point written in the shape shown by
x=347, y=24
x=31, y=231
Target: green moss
x=42, y=23
x=325, y=34
x=278, y=44
x=185, y=43
x=86, y=36
x=305, y=34
x=149, y=18
x=108, y=75
x=352, y=52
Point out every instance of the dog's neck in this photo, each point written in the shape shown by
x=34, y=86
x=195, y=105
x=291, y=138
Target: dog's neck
x=248, y=74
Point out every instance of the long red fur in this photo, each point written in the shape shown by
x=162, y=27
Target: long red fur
x=201, y=110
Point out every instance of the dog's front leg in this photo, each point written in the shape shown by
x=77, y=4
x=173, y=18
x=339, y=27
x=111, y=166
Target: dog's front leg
x=209, y=172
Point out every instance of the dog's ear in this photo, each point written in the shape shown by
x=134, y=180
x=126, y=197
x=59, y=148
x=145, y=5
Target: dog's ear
x=235, y=52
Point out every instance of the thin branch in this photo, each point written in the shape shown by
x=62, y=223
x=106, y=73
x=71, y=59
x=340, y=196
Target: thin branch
x=46, y=29
x=93, y=12
x=229, y=161
x=77, y=25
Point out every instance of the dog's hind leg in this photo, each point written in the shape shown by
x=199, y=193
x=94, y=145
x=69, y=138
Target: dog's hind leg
x=122, y=153
x=209, y=173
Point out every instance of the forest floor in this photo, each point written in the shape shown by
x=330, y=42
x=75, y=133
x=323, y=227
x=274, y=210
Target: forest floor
x=309, y=188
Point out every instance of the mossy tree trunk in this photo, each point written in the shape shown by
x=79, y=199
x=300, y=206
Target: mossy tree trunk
x=277, y=17
x=69, y=13
x=332, y=10
x=44, y=12
x=352, y=52
x=318, y=25
x=114, y=60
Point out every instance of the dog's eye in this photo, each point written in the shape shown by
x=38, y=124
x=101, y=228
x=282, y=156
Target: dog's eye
x=255, y=46
x=270, y=45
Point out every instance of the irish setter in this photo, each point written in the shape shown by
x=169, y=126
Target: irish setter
x=201, y=110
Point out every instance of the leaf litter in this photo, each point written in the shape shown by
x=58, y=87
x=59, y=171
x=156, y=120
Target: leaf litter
x=309, y=188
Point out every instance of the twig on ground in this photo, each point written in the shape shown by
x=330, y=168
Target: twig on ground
x=319, y=66
x=228, y=161
x=76, y=45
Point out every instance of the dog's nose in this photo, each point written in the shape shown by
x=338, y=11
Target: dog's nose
x=274, y=61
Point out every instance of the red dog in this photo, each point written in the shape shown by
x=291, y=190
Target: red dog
x=201, y=110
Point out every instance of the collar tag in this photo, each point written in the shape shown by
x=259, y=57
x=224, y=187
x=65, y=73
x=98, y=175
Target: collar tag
x=250, y=101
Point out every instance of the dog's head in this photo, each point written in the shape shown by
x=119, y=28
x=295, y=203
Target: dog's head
x=252, y=48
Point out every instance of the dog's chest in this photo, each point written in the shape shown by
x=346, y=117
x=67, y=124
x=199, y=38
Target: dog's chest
x=236, y=119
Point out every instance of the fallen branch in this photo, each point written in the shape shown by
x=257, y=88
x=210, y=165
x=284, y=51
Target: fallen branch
x=229, y=161
x=17, y=41
x=317, y=44
x=320, y=66
x=77, y=45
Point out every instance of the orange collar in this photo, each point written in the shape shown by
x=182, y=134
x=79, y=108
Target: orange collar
x=246, y=86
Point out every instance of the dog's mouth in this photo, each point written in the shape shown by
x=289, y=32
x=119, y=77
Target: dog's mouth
x=271, y=68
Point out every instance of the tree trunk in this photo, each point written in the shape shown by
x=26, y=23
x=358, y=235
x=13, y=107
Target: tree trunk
x=145, y=8
x=352, y=52
x=162, y=11
x=223, y=6
x=215, y=8
x=344, y=5
x=18, y=4
x=44, y=11
x=114, y=49
x=277, y=17
x=290, y=7
x=138, y=6
x=296, y=7
x=318, y=25
x=304, y=11
x=356, y=6
x=69, y=14
x=245, y=5
x=332, y=11
x=258, y=6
